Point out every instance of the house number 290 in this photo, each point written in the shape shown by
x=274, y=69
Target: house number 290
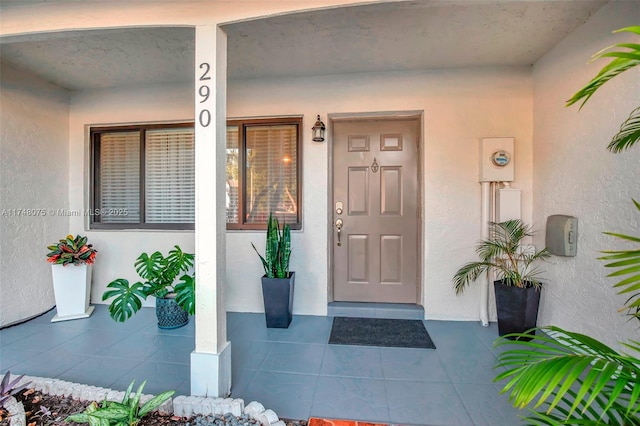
x=204, y=92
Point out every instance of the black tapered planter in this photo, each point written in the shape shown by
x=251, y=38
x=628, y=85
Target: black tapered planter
x=278, y=300
x=517, y=308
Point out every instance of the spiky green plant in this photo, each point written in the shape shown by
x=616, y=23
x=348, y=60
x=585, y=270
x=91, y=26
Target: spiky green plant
x=277, y=249
x=502, y=253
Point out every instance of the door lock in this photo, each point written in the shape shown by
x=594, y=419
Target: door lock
x=339, y=207
x=339, y=224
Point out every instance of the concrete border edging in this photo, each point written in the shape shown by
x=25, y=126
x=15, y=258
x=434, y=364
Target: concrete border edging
x=16, y=412
x=183, y=406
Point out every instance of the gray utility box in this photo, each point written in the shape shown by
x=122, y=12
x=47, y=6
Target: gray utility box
x=562, y=235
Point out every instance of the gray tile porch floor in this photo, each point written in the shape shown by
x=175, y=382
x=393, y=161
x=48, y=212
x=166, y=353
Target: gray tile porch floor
x=292, y=371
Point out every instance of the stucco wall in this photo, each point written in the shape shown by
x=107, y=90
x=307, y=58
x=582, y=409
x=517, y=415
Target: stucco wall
x=119, y=249
x=575, y=175
x=33, y=176
x=460, y=107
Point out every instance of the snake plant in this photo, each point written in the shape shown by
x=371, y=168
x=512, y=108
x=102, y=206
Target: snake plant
x=277, y=250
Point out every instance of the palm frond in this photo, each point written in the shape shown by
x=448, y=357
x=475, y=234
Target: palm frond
x=468, y=273
x=628, y=135
x=623, y=60
x=627, y=265
x=577, y=379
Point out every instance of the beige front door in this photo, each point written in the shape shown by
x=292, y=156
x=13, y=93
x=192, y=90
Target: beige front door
x=374, y=210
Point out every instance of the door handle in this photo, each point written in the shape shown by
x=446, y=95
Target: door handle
x=339, y=224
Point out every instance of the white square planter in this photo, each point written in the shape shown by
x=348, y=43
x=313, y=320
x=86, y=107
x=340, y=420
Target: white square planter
x=72, y=288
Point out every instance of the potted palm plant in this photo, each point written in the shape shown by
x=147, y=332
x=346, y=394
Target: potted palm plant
x=517, y=283
x=277, y=282
x=175, y=294
x=71, y=260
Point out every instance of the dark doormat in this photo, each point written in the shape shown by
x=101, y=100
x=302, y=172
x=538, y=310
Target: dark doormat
x=394, y=333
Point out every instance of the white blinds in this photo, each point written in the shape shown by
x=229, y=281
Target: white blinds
x=271, y=180
x=120, y=176
x=170, y=176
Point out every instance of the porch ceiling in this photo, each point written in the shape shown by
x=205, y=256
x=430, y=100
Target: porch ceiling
x=401, y=35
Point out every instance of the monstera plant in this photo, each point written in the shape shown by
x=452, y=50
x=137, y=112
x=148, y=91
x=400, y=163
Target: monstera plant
x=571, y=378
x=169, y=279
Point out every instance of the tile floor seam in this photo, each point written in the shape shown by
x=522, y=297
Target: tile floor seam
x=249, y=329
x=107, y=358
x=63, y=372
x=444, y=368
x=313, y=396
x=120, y=340
x=465, y=405
x=264, y=358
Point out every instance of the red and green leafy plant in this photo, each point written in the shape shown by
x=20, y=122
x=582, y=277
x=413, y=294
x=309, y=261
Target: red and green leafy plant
x=72, y=251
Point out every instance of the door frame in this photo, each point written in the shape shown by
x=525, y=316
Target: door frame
x=417, y=115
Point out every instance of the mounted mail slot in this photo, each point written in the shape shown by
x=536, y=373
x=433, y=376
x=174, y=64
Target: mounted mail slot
x=562, y=235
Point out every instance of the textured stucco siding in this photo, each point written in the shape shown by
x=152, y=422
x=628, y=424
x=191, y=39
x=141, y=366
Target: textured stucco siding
x=560, y=161
x=460, y=107
x=34, y=135
x=574, y=174
x=119, y=249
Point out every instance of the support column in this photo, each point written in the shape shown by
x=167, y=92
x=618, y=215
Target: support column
x=211, y=359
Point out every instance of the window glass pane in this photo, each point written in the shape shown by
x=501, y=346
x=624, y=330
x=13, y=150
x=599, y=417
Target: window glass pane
x=170, y=176
x=232, y=174
x=120, y=176
x=271, y=178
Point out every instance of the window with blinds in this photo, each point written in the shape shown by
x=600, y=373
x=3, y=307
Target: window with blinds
x=271, y=173
x=143, y=177
x=263, y=172
x=120, y=177
x=170, y=176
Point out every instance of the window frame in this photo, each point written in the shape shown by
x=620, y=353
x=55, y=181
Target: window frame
x=242, y=124
x=96, y=188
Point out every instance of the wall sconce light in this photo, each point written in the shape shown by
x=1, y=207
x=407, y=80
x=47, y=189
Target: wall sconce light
x=318, y=130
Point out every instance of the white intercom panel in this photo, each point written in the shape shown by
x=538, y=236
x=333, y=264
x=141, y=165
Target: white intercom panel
x=562, y=235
